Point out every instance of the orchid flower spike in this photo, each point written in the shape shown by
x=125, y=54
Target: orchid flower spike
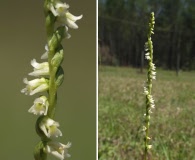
x=50, y=76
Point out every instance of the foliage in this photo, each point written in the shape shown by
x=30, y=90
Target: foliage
x=122, y=28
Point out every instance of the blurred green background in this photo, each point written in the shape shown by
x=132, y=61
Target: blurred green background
x=22, y=38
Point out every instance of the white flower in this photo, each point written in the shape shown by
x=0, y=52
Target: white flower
x=144, y=128
x=152, y=105
x=149, y=146
x=35, y=86
x=152, y=66
x=58, y=150
x=45, y=55
x=69, y=20
x=60, y=9
x=151, y=100
x=50, y=128
x=64, y=16
x=40, y=106
x=146, y=91
x=147, y=56
x=40, y=69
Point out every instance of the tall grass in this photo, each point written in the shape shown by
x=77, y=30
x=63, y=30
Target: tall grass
x=121, y=109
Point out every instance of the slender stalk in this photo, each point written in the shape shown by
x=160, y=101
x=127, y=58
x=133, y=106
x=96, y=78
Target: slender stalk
x=148, y=88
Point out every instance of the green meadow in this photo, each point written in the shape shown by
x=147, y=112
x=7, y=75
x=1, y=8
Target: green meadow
x=121, y=109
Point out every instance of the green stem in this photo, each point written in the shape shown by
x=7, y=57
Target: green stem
x=52, y=93
x=50, y=22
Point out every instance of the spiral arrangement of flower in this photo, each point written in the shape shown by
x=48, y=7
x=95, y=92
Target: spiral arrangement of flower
x=148, y=88
x=49, y=76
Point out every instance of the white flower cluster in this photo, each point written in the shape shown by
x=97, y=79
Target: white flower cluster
x=64, y=17
x=147, y=54
x=50, y=129
x=148, y=87
x=149, y=97
x=39, y=84
x=151, y=104
x=41, y=105
x=153, y=68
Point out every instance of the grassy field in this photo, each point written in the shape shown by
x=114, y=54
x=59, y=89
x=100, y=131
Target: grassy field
x=121, y=110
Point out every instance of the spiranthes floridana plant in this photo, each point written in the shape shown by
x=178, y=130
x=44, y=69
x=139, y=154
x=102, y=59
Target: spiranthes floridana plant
x=151, y=75
x=49, y=76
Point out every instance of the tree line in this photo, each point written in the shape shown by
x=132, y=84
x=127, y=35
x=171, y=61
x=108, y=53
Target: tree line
x=122, y=32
